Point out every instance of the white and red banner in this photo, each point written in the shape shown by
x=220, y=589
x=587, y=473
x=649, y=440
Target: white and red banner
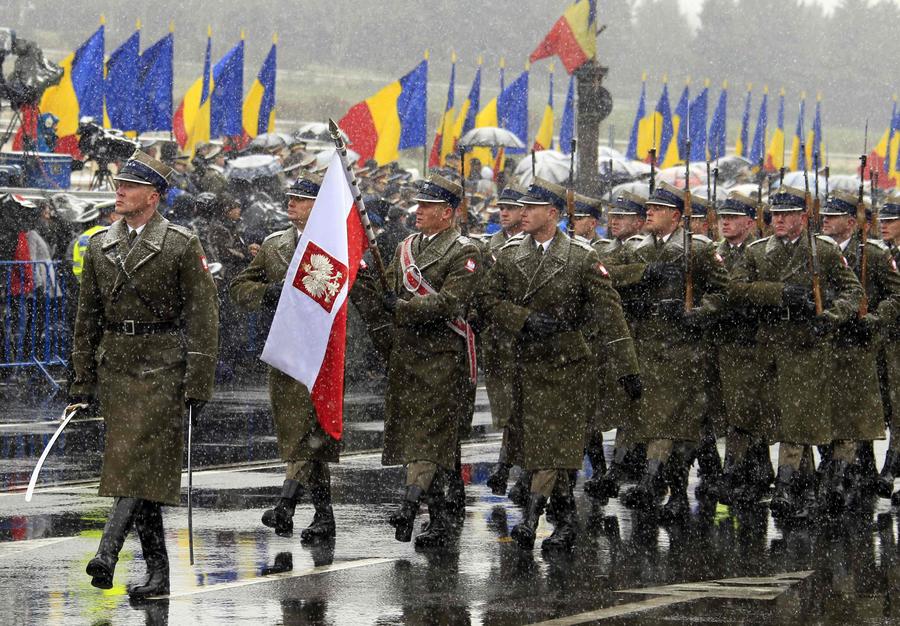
x=308, y=337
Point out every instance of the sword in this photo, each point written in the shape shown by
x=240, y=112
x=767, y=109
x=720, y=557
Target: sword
x=37, y=468
x=190, y=486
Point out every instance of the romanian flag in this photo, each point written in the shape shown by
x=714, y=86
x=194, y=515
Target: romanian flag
x=443, y=138
x=465, y=119
x=544, y=138
x=878, y=155
x=633, y=151
x=573, y=37
x=663, y=123
x=758, y=149
x=717, y=127
x=798, y=156
x=79, y=93
x=775, y=152
x=509, y=110
x=259, y=105
x=391, y=120
x=226, y=101
x=650, y=128
x=697, y=125
x=567, y=126
x=155, y=81
x=121, y=97
x=674, y=152
x=740, y=148
x=191, y=121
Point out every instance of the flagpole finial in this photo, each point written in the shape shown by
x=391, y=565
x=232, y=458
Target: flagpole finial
x=527, y=65
x=765, y=89
x=749, y=86
x=137, y=24
x=274, y=37
x=687, y=80
x=644, y=77
x=209, y=31
x=803, y=95
x=502, y=62
x=818, y=96
x=781, y=92
x=552, y=67
x=426, y=54
x=724, y=84
x=243, y=36
x=706, y=82
x=171, y=26
x=480, y=59
x=102, y=19
x=665, y=78
x=453, y=56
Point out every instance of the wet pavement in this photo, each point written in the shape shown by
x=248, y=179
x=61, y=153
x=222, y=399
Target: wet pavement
x=721, y=566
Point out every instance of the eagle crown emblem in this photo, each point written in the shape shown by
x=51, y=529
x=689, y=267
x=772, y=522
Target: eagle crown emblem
x=321, y=280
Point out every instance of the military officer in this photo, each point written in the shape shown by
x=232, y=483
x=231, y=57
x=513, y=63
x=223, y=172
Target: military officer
x=860, y=414
x=587, y=215
x=431, y=366
x=889, y=356
x=777, y=280
x=144, y=351
x=671, y=358
x=303, y=443
x=546, y=288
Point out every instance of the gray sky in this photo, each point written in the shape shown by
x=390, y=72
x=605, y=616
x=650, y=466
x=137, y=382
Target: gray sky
x=692, y=7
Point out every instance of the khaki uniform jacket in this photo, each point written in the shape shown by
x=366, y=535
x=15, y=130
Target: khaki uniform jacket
x=142, y=381
x=300, y=437
x=554, y=374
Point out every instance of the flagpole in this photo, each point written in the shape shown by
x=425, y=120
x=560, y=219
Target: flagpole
x=360, y=204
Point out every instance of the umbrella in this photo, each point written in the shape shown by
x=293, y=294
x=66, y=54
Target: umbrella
x=550, y=165
x=252, y=166
x=623, y=167
x=605, y=152
x=675, y=175
x=635, y=187
x=317, y=131
x=323, y=158
x=491, y=137
x=272, y=140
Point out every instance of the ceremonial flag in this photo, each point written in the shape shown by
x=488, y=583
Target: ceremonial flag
x=79, y=93
x=878, y=155
x=544, y=138
x=717, y=129
x=775, y=153
x=226, y=102
x=698, y=113
x=259, y=105
x=391, y=120
x=664, y=124
x=632, y=151
x=308, y=336
x=740, y=148
x=122, y=101
x=798, y=157
x=573, y=37
x=155, y=86
x=815, y=145
x=191, y=122
x=443, y=138
x=567, y=126
x=650, y=128
x=512, y=109
x=758, y=149
x=674, y=153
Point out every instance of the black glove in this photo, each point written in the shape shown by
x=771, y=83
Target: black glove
x=696, y=320
x=543, y=325
x=633, y=386
x=821, y=325
x=659, y=273
x=858, y=332
x=195, y=406
x=91, y=410
x=797, y=299
x=671, y=309
x=272, y=294
x=389, y=300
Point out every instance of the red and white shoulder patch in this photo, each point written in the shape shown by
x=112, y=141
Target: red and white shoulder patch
x=601, y=269
x=894, y=264
x=204, y=263
x=719, y=259
x=844, y=259
x=471, y=265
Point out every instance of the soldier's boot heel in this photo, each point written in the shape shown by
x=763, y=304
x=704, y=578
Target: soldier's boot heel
x=678, y=507
x=606, y=486
x=404, y=518
x=566, y=530
x=518, y=493
x=322, y=527
x=281, y=518
x=885, y=485
x=439, y=529
x=709, y=470
x=102, y=567
x=834, y=489
x=151, y=533
x=498, y=479
x=525, y=532
x=783, y=502
x=648, y=491
x=866, y=469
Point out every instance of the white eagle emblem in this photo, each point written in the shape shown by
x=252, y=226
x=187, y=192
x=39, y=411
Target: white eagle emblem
x=321, y=280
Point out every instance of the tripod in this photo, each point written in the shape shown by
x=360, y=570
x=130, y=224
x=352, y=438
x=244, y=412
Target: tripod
x=102, y=178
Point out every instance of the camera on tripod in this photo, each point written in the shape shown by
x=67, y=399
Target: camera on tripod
x=103, y=146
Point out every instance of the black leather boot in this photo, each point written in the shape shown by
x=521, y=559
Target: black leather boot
x=518, y=493
x=566, y=530
x=601, y=487
x=594, y=452
x=525, y=532
x=498, y=478
x=405, y=516
x=677, y=507
x=322, y=526
x=885, y=485
x=709, y=469
x=649, y=490
x=149, y=524
x=102, y=567
x=784, y=501
x=455, y=503
x=440, y=526
x=866, y=469
x=834, y=490
x=281, y=518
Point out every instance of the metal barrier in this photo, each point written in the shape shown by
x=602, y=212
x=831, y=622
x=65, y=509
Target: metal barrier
x=35, y=324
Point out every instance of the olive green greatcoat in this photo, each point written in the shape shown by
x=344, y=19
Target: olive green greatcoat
x=890, y=359
x=429, y=398
x=803, y=364
x=553, y=374
x=855, y=391
x=142, y=381
x=300, y=437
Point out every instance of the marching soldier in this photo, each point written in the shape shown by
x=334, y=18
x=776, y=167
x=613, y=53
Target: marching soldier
x=303, y=443
x=777, y=279
x=431, y=366
x=672, y=360
x=859, y=416
x=889, y=356
x=587, y=215
x=144, y=353
x=545, y=289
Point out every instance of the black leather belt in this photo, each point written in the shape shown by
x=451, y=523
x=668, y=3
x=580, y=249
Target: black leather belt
x=132, y=327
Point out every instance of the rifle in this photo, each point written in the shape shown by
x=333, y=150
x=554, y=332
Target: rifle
x=811, y=238
x=688, y=232
x=610, y=190
x=760, y=212
x=360, y=205
x=570, y=195
x=712, y=218
x=863, y=225
x=463, y=208
x=533, y=165
x=817, y=204
x=652, y=161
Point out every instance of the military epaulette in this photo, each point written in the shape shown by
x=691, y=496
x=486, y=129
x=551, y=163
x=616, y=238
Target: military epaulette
x=703, y=238
x=603, y=240
x=181, y=230
x=879, y=244
x=636, y=238
x=760, y=240
x=513, y=241
x=463, y=240
x=828, y=239
x=581, y=244
x=275, y=234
